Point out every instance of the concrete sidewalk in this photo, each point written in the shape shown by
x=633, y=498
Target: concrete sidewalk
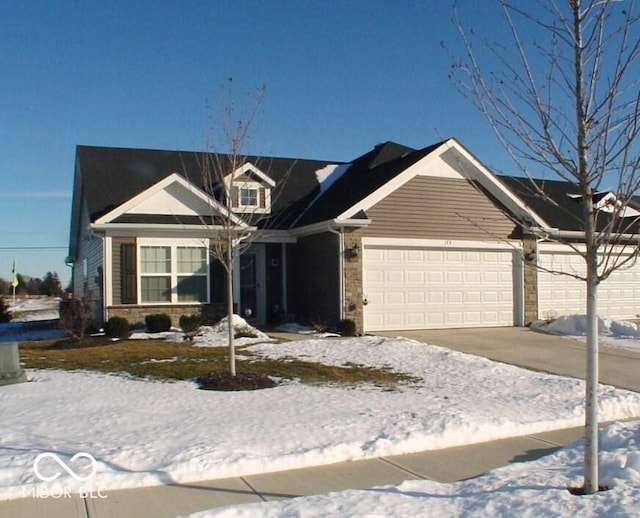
x=446, y=465
x=537, y=351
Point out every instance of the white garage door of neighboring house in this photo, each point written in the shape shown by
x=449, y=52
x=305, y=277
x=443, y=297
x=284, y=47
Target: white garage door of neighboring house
x=434, y=287
x=618, y=296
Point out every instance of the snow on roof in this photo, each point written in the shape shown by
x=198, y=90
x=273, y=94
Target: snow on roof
x=329, y=174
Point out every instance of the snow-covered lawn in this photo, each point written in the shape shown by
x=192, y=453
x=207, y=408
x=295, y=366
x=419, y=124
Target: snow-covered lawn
x=531, y=489
x=146, y=433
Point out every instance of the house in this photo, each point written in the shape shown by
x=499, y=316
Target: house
x=399, y=238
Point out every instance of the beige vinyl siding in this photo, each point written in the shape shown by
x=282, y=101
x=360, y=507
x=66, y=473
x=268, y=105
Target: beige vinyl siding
x=438, y=208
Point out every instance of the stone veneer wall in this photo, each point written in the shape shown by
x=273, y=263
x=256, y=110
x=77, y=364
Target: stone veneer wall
x=530, y=274
x=135, y=314
x=353, y=278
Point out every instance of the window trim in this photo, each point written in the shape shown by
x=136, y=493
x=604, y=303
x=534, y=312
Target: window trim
x=263, y=197
x=173, y=274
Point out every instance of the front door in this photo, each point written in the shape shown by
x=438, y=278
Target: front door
x=252, y=285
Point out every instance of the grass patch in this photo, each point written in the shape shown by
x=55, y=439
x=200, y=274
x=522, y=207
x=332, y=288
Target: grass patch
x=163, y=360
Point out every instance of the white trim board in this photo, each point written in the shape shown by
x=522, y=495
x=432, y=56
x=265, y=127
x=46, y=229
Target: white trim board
x=440, y=243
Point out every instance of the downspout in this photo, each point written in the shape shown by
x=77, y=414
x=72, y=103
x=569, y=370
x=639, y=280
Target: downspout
x=106, y=264
x=340, y=235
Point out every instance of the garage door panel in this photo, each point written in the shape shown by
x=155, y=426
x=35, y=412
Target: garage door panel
x=473, y=277
x=395, y=255
x=472, y=297
x=434, y=287
x=435, y=297
x=415, y=276
x=415, y=256
x=618, y=296
x=415, y=297
x=457, y=277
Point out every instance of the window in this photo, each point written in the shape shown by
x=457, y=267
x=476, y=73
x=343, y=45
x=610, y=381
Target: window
x=173, y=273
x=248, y=197
x=155, y=271
x=192, y=274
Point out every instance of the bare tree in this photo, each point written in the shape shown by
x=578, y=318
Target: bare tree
x=246, y=212
x=562, y=96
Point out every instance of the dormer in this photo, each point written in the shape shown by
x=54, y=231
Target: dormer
x=250, y=190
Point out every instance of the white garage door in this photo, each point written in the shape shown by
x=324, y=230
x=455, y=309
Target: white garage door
x=437, y=287
x=618, y=296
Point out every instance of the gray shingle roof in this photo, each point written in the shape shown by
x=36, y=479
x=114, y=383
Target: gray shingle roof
x=111, y=176
x=556, y=202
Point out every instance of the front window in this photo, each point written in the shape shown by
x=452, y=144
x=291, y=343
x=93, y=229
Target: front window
x=155, y=273
x=173, y=273
x=192, y=274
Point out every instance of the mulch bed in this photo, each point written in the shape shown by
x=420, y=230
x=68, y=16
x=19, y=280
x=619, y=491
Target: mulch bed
x=87, y=341
x=224, y=381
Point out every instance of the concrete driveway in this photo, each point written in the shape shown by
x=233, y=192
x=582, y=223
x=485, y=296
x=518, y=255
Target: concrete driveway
x=525, y=348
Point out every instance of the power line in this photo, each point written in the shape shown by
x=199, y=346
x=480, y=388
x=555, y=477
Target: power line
x=24, y=248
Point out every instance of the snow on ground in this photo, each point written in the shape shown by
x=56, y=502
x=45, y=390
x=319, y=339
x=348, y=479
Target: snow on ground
x=529, y=489
x=304, y=330
x=612, y=333
x=149, y=433
x=29, y=309
x=32, y=319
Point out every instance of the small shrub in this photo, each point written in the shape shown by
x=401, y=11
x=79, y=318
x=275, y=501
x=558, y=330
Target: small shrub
x=76, y=315
x=158, y=322
x=117, y=327
x=347, y=327
x=190, y=323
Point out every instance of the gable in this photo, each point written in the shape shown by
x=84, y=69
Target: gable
x=172, y=200
x=450, y=160
x=439, y=207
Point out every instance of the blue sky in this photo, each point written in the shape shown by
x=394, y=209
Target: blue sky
x=340, y=77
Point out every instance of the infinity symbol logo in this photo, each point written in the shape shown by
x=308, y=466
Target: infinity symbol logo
x=79, y=478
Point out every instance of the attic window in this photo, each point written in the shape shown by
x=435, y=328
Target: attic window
x=248, y=197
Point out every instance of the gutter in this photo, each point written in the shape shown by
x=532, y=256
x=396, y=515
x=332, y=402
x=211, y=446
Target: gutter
x=328, y=225
x=542, y=233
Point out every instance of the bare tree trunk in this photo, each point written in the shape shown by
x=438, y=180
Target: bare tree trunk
x=591, y=481
x=591, y=476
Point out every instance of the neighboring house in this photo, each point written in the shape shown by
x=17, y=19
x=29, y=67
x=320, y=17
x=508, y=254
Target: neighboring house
x=396, y=239
x=559, y=207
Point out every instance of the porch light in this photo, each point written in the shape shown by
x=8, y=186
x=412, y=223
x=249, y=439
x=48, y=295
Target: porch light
x=353, y=251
